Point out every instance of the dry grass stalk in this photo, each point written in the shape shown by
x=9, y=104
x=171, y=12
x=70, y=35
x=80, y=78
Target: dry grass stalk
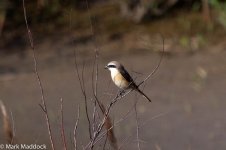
x=7, y=127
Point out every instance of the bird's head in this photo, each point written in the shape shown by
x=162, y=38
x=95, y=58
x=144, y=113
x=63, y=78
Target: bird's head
x=113, y=65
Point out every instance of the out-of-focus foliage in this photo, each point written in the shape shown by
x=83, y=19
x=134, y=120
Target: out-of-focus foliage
x=220, y=7
x=136, y=10
x=38, y=10
x=113, y=17
x=139, y=10
x=3, y=5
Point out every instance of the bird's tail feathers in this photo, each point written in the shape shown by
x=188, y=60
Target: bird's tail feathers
x=142, y=93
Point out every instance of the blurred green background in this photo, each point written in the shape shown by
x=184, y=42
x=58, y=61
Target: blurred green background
x=201, y=18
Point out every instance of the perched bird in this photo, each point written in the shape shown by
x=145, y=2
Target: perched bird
x=121, y=77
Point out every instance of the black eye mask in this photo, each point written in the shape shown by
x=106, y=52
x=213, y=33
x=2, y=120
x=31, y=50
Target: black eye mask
x=111, y=66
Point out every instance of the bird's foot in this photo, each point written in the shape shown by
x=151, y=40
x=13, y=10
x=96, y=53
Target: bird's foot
x=121, y=92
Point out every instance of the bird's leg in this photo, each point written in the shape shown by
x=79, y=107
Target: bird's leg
x=121, y=92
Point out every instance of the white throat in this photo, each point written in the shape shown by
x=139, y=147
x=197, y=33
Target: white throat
x=114, y=72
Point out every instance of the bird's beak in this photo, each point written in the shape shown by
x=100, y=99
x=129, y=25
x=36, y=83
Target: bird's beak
x=106, y=67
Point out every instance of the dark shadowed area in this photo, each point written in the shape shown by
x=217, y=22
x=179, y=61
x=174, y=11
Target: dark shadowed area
x=187, y=91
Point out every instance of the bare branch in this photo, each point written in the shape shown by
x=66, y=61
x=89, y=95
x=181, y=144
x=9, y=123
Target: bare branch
x=101, y=135
x=107, y=121
x=137, y=124
x=94, y=116
x=95, y=70
x=94, y=88
x=158, y=65
x=38, y=78
x=76, y=127
x=62, y=125
x=155, y=117
x=77, y=72
x=90, y=21
x=124, y=141
x=141, y=125
x=13, y=128
x=82, y=87
x=119, y=96
x=82, y=77
x=43, y=109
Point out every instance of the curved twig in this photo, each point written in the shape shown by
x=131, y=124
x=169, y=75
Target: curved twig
x=158, y=65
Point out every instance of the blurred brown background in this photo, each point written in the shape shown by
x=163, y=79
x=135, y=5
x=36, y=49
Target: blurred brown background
x=188, y=90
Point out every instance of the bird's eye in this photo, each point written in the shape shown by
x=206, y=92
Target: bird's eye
x=111, y=66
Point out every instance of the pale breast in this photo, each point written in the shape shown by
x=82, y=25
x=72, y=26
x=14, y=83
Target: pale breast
x=119, y=80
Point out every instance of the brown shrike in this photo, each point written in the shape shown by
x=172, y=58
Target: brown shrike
x=121, y=77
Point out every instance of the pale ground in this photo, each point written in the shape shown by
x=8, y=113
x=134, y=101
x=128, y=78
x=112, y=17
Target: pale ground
x=188, y=94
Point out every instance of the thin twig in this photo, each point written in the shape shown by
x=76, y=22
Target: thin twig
x=62, y=126
x=158, y=65
x=95, y=70
x=119, y=96
x=81, y=82
x=95, y=84
x=107, y=121
x=77, y=72
x=90, y=22
x=124, y=141
x=137, y=124
x=105, y=142
x=94, y=115
x=75, y=128
x=122, y=119
x=141, y=125
x=101, y=135
x=94, y=88
x=86, y=103
x=155, y=117
x=110, y=133
x=13, y=127
x=95, y=103
x=82, y=77
x=82, y=87
x=76, y=68
x=38, y=78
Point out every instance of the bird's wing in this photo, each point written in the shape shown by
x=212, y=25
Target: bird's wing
x=126, y=75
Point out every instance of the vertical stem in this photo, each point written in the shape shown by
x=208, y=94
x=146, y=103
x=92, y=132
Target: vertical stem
x=44, y=108
x=75, y=128
x=62, y=125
